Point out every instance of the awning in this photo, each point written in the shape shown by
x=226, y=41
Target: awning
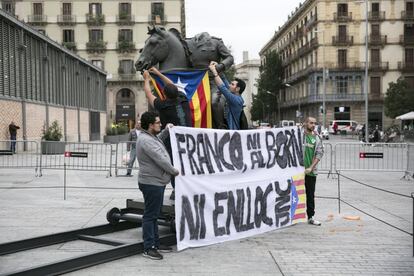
x=407, y=116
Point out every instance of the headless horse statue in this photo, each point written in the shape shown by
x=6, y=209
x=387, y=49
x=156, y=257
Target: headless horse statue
x=170, y=51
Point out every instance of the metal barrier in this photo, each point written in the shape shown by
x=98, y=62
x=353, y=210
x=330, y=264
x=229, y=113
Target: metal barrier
x=325, y=165
x=121, y=155
x=371, y=157
x=76, y=156
x=25, y=154
x=409, y=173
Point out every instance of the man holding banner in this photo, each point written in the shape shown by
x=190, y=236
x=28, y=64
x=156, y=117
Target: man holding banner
x=312, y=154
x=155, y=171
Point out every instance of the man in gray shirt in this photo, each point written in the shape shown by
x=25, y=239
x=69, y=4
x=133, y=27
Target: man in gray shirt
x=155, y=171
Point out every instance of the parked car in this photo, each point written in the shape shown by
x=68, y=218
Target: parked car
x=348, y=126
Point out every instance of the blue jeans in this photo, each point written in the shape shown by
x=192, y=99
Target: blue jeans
x=153, y=200
x=132, y=157
x=13, y=143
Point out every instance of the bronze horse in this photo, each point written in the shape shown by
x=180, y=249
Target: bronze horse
x=169, y=50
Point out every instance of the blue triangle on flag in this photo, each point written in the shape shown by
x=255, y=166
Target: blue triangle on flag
x=186, y=81
x=294, y=200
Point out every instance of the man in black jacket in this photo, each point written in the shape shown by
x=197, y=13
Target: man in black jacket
x=13, y=135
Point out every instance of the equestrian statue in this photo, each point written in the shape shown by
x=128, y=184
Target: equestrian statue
x=169, y=50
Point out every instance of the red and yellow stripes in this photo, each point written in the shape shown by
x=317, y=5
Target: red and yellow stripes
x=158, y=89
x=300, y=212
x=200, y=105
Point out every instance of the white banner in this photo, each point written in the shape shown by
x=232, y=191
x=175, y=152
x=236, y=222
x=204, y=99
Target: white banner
x=235, y=184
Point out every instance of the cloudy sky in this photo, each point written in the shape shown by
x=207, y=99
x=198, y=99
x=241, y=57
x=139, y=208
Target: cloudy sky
x=243, y=25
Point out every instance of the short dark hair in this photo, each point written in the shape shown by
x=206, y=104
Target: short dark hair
x=171, y=91
x=148, y=118
x=241, y=84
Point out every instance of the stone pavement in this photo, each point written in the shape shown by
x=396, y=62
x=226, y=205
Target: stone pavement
x=341, y=246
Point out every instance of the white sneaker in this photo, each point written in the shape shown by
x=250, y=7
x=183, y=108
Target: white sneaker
x=314, y=222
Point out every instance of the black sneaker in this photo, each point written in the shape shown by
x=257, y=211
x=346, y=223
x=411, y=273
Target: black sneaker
x=164, y=249
x=152, y=254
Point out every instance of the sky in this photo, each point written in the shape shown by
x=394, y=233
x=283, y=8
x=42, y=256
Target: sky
x=244, y=25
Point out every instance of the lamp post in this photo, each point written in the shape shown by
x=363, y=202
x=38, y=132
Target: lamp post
x=366, y=70
x=323, y=78
x=278, y=104
x=297, y=91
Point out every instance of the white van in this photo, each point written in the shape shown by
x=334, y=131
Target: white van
x=343, y=125
x=286, y=123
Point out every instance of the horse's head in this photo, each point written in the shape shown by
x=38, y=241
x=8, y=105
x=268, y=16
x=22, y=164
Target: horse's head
x=155, y=49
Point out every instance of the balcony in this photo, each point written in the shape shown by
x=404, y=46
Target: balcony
x=406, y=40
x=378, y=66
x=95, y=19
x=406, y=66
x=377, y=40
x=376, y=15
x=342, y=40
x=37, y=19
x=346, y=66
x=343, y=16
x=125, y=19
x=70, y=45
x=318, y=98
x=96, y=46
x=312, y=21
x=125, y=46
x=407, y=15
x=127, y=73
x=157, y=19
x=66, y=19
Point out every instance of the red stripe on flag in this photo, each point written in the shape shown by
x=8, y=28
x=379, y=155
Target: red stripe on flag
x=299, y=182
x=300, y=206
x=299, y=216
x=300, y=192
x=203, y=104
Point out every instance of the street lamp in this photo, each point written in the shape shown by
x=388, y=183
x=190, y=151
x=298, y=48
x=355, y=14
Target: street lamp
x=366, y=70
x=297, y=91
x=323, y=78
x=278, y=103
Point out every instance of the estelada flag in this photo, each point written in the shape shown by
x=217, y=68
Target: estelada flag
x=196, y=86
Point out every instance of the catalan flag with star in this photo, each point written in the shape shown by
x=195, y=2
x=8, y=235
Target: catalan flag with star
x=298, y=199
x=196, y=86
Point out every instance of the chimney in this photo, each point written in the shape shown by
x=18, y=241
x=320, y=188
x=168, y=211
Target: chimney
x=245, y=56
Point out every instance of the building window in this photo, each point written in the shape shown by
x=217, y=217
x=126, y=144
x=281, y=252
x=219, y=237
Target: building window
x=95, y=35
x=126, y=67
x=37, y=8
x=125, y=8
x=375, y=57
x=342, y=33
x=125, y=35
x=342, y=9
x=157, y=12
x=342, y=59
x=342, y=84
x=409, y=7
x=375, y=8
x=8, y=6
x=410, y=81
x=68, y=36
x=375, y=85
x=95, y=9
x=409, y=55
x=98, y=63
x=67, y=8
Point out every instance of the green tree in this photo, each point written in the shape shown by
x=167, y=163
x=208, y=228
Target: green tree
x=399, y=99
x=270, y=80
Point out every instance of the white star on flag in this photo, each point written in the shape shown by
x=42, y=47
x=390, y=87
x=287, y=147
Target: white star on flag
x=181, y=85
